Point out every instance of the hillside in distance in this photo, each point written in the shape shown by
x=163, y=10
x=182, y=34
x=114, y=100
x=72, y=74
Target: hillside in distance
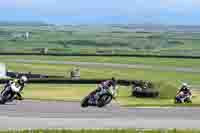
x=111, y=38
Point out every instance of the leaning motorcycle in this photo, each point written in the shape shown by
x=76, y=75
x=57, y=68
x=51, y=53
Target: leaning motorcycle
x=102, y=98
x=182, y=98
x=8, y=93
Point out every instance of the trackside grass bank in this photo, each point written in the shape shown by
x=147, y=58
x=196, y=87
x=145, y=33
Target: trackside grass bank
x=158, y=62
x=91, y=72
x=102, y=131
x=75, y=92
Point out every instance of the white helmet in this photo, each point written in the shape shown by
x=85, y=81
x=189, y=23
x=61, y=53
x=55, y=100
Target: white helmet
x=24, y=78
x=185, y=84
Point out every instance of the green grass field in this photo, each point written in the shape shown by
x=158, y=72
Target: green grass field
x=169, y=82
x=104, y=131
x=76, y=92
x=167, y=62
x=174, y=78
x=90, y=39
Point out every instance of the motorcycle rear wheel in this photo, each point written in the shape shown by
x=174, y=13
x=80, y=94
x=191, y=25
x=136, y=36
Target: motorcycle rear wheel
x=187, y=100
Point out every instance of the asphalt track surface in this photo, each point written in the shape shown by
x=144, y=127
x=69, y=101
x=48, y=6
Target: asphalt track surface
x=54, y=114
x=111, y=65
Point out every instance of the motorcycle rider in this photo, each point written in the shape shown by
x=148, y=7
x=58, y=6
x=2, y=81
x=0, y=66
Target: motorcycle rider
x=185, y=88
x=104, y=85
x=17, y=84
x=185, y=91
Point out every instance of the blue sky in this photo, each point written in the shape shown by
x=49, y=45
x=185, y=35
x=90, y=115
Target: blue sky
x=102, y=11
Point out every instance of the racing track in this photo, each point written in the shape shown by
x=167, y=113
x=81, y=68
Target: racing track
x=37, y=114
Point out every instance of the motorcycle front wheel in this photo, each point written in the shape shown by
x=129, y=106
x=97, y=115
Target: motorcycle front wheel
x=2, y=100
x=5, y=96
x=84, y=102
x=104, y=100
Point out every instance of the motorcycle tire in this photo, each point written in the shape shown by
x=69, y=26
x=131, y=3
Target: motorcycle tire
x=5, y=96
x=84, y=102
x=2, y=100
x=102, y=101
x=187, y=100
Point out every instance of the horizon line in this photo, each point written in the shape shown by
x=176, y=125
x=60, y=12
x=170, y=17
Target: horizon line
x=48, y=23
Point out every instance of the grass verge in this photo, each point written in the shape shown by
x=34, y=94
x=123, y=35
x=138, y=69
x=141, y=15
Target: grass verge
x=167, y=62
x=75, y=92
x=90, y=72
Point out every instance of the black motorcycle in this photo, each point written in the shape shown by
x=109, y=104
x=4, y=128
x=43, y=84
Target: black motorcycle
x=7, y=94
x=101, y=98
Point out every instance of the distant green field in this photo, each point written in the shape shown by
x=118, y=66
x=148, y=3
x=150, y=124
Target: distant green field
x=90, y=39
x=167, y=62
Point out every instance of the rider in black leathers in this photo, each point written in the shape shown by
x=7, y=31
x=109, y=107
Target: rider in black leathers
x=104, y=85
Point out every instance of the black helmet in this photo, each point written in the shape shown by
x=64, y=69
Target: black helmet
x=113, y=79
